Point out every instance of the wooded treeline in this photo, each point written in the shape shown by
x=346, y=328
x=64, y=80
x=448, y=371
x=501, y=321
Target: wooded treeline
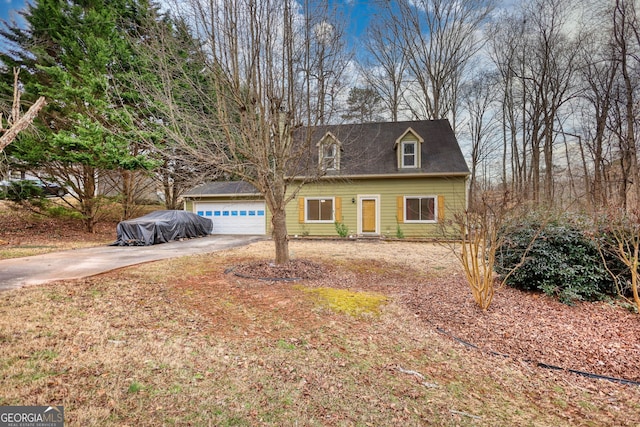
x=543, y=96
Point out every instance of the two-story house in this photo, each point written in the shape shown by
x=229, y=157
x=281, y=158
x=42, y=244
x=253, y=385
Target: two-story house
x=393, y=179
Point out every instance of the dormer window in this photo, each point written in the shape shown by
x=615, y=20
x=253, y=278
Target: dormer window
x=330, y=156
x=329, y=153
x=409, y=150
x=408, y=147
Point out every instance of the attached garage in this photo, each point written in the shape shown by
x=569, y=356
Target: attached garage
x=234, y=217
x=234, y=207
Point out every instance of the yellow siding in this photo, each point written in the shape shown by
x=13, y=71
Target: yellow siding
x=450, y=192
x=390, y=192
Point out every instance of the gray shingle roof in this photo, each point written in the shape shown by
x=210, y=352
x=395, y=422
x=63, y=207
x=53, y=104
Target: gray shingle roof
x=369, y=148
x=226, y=188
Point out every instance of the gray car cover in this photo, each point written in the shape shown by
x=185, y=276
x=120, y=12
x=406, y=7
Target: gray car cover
x=161, y=227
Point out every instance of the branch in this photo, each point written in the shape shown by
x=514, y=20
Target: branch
x=15, y=110
x=22, y=123
x=16, y=123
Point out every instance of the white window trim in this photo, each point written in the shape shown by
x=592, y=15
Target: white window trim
x=418, y=221
x=320, y=221
x=415, y=155
x=335, y=164
x=329, y=139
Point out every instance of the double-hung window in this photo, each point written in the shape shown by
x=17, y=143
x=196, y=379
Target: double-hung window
x=319, y=210
x=330, y=156
x=420, y=209
x=409, y=154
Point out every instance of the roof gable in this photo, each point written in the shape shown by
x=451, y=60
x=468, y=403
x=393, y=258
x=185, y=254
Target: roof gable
x=409, y=131
x=328, y=138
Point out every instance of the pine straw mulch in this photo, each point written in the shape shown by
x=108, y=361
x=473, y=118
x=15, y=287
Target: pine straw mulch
x=601, y=338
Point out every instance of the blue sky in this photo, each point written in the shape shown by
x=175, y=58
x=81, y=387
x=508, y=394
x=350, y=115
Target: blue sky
x=8, y=9
x=356, y=12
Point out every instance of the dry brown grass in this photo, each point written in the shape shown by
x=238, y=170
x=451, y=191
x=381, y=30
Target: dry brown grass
x=180, y=342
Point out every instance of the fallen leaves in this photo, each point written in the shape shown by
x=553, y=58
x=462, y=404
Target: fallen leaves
x=599, y=337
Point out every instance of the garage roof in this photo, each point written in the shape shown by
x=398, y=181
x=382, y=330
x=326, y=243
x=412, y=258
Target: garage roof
x=223, y=189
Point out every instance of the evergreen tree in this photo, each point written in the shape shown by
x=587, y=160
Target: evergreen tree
x=364, y=105
x=171, y=63
x=76, y=54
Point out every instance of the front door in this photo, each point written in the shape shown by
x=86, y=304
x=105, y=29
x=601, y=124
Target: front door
x=369, y=216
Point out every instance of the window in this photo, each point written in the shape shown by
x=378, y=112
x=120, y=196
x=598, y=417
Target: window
x=409, y=152
x=408, y=149
x=319, y=210
x=330, y=156
x=420, y=209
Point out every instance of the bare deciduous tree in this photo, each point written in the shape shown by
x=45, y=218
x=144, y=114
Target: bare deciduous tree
x=479, y=103
x=536, y=56
x=626, y=42
x=439, y=38
x=598, y=78
x=271, y=67
x=505, y=48
x=386, y=65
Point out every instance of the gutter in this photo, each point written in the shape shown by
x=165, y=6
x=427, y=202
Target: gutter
x=385, y=176
x=232, y=195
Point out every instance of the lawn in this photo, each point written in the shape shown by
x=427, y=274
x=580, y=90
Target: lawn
x=360, y=342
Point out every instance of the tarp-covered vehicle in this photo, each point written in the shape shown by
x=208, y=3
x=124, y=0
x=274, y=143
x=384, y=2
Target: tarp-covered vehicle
x=161, y=227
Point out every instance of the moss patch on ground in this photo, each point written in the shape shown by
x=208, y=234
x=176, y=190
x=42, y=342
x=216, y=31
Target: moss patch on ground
x=347, y=302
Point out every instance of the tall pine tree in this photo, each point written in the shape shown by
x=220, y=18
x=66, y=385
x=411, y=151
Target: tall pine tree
x=170, y=62
x=75, y=53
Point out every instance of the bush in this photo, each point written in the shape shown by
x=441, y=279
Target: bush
x=341, y=229
x=561, y=260
x=19, y=191
x=63, y=212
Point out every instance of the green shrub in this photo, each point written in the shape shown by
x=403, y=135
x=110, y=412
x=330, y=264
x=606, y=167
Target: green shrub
x=19, y=191
x=561, y=260
x=341, y=229
x=63, y=212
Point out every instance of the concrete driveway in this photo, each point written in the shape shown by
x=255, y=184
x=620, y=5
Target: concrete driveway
x=77, y=263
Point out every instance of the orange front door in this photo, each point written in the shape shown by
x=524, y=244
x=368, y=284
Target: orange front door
x=369, y=216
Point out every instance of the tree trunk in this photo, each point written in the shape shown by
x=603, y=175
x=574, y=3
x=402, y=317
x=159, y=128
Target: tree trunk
x=280, y=236
x=16, y=123
x=128, y=197
x=548, y=163
x=88, y=200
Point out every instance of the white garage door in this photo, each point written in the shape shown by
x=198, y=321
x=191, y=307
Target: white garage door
x=234, y=217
